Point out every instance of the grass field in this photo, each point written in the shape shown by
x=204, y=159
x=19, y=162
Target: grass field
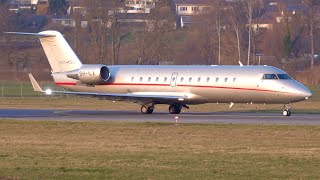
x=22, y=89
x=31, y=100
x=109, y=150
x=309, y=106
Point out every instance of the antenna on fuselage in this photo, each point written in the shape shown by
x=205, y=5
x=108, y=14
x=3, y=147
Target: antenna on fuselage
x=240, y=63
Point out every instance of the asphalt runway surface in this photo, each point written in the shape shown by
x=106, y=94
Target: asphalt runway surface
x=186, y=117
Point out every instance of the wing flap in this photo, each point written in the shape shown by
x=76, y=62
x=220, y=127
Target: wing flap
x=140, y=95
x=135, y=96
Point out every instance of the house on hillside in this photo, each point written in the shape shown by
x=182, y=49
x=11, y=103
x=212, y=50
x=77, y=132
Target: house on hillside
x=19, y=6
x=187, y=9
x=276, y=12
x=140, y=6
x=266, y=21
x=286, y=2
x=192, y=7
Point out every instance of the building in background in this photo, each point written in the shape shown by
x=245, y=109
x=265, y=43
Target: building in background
x=187, y=10
x=140, y=6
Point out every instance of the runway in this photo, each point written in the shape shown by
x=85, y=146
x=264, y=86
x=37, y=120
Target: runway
x=187, y=117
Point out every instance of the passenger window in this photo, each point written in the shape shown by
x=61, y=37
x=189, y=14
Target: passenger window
x=165, y=79
x=141, y=78
x=181, y=79
x=270, y=76
x=149, y=79
x=234, y=79
x=132, y=79
x=217, y=79
x=225, y=79
x=199, y=79
x=157, y=79
x=208, y=79
x=190, y=79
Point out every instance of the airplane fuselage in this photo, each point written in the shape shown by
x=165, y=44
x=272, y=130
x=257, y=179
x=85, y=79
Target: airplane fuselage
x=201, y=84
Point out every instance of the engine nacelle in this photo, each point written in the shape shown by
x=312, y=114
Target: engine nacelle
x=91, y=74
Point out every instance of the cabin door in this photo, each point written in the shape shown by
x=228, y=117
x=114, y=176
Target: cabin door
x=173, y=81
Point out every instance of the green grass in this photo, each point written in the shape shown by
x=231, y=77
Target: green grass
x=81, y=103
x=12, y=93
x=22, y=89
x=108, y=150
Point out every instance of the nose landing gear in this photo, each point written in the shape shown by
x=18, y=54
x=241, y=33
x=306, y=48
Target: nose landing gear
x=286, y=111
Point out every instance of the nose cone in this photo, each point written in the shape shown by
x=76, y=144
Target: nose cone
x=303, y=92
x=307, y=94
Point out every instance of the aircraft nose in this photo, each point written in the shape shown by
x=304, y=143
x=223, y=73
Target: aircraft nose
x=307, y=94
x=304, y=92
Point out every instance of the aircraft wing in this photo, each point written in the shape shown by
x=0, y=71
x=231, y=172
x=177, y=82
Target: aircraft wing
x=143, y=97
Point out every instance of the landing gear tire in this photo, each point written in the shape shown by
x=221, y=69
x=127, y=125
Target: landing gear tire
x=286, y=111
x=146, y=110
x=175, y=108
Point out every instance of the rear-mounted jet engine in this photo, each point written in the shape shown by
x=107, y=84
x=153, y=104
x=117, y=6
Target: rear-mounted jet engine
x=91, y=74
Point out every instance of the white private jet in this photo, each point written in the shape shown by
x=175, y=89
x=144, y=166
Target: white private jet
x=175, y=85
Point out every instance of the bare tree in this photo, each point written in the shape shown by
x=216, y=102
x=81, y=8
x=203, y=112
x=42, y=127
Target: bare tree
x=256, y=35
x=207, y=37
x=311, y=4
x=218, y=13
x=99, y=18
x=248, y=4
x=4, y=15
x=154, y=41
x=117, y=34
x=212, y=25
x=237, y=22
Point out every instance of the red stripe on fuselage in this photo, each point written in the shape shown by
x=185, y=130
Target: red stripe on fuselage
x=223, y=87
x=168, y=85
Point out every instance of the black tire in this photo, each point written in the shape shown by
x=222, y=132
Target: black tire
x=286, y=113
x=146, y=110
x=175, y=109
x=289, y=113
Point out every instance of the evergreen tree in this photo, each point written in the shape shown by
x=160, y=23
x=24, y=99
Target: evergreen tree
x=58, y=7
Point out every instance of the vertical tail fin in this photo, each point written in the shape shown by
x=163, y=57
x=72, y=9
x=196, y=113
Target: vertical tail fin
x=60, y=55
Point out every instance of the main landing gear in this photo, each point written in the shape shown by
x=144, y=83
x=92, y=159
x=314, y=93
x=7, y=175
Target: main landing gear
x=176, y=108
x=147, y=109
x=173, y=108
x=286, y=111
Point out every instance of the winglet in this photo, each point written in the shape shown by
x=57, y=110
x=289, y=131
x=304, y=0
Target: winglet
x=35, y=84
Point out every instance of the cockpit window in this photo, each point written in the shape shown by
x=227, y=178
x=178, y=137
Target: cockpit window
x=284, y=76
x=270, y=76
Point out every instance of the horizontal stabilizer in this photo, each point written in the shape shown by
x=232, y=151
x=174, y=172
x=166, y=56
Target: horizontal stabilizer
x=35, y=84
x=60, y=55
x=31, y=34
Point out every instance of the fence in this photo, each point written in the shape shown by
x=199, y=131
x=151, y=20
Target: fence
x=23, y=89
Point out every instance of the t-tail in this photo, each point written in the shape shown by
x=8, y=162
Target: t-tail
x=66, y=66
x=60, y=55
